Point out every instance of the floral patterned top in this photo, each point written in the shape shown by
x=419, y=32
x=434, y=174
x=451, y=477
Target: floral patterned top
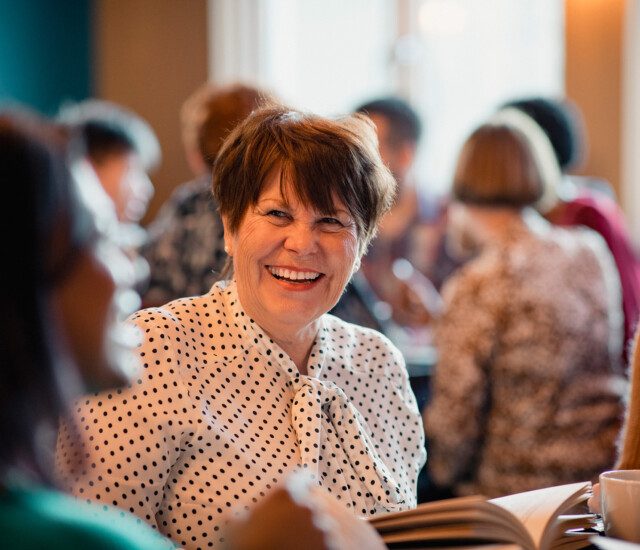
x=185, y=246
x=526, y=392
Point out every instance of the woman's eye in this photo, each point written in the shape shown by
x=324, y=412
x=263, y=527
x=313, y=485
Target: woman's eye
x=277, y=214
x=331, y=221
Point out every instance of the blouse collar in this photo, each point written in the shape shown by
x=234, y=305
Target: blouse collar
x=318, y=353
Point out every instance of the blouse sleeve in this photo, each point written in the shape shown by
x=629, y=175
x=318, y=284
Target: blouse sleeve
x=406, y=434
x=118, y=447
x=465, y=338
x=394, y=421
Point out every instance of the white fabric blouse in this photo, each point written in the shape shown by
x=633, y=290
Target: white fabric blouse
x=219, y=415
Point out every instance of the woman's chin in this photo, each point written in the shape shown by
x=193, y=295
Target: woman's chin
x=107, y=378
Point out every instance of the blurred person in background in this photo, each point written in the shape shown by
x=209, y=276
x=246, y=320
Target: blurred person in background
x=580, y=200
x=185, y=248
x=408, y=257
x=122, y=149
x=527, y=391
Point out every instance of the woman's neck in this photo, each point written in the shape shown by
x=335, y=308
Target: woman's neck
x=296, y=342
x=495, y=224
x=298, y=346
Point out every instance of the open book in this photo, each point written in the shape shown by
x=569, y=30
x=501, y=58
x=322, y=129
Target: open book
x=533, y=520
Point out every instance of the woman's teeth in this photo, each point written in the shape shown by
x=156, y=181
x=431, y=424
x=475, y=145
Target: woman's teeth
x=287, y=274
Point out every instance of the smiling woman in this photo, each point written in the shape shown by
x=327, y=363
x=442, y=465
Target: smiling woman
x=292, y=264
x=254, y=380
x=293, y=240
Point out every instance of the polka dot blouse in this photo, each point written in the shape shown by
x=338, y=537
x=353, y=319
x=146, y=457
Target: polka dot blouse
x=219, y=415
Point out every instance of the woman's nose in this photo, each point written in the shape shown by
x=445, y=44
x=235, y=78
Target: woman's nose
x=301, y=239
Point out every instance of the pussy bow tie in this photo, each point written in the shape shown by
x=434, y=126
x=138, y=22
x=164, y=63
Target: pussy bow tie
x=315, y=399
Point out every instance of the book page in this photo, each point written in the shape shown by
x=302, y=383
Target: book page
x=452, y=520
x=537, y=510
x=529, y=520
x=608, y=543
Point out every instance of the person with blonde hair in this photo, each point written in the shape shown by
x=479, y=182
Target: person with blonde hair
x=629, y=442
x=524, y=392
x=629, y=447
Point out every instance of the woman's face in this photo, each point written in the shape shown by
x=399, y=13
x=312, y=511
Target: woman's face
x=90, y=303
x=126, y=182
x=291, y=262
x=97, y=293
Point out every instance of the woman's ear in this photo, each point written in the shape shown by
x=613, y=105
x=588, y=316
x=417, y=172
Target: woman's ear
x=228, y=237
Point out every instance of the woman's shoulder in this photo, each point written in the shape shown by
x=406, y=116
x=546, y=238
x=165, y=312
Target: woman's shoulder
x=36, y=517
x=485, y=268
x=185, y=310
x=579, y=245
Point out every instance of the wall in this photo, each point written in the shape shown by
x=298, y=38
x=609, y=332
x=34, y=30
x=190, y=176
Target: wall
x=594, y=31
x=45, y=53
x=150, y=55
x=630, y=191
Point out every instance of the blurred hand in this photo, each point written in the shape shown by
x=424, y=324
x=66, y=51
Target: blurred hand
x=415, y=301
x=302, y=515
x=408, y=308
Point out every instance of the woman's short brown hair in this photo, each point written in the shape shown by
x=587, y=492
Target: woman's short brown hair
x=498, y=167
x=320, y=158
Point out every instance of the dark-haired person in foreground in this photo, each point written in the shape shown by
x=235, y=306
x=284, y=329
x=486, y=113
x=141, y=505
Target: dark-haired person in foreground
x=61, y=295
x=526, y=392
x=254, y=380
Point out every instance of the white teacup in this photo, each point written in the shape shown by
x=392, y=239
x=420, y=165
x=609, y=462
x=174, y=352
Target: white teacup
x=620, y=499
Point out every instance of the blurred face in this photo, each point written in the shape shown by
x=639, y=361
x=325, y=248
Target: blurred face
x=89, y=309
x=96, y=294
x=291, y=262
x=128, y=185
x=398, y=156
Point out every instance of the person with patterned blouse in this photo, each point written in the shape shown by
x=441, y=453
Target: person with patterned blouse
x=573, y=200
x=527, y=391
x=254, y=380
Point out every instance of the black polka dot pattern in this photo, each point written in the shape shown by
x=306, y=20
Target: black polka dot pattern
x=219, y=415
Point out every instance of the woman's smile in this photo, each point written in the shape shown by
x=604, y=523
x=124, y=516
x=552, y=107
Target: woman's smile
x=291, y=262
x=300, y=279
